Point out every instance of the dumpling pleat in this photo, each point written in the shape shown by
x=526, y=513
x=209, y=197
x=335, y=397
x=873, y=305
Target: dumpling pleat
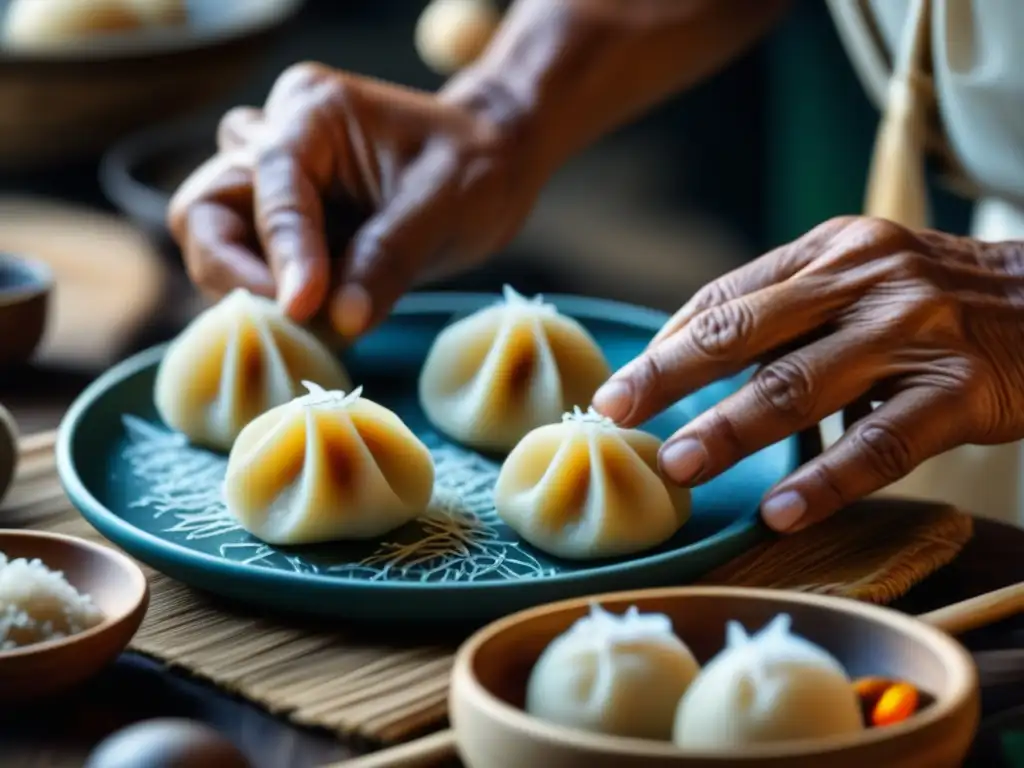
x=275, y=466
x=344, y=481
x=563, y=498
x=518, y=386
x=633, y=498
x=586, y=362
x=389, y=451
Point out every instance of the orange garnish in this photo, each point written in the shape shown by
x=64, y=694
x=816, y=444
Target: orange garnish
x=896, y=704
x=872, y=687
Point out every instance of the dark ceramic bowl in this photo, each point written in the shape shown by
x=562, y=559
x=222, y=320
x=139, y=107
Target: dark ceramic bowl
x=25, y=288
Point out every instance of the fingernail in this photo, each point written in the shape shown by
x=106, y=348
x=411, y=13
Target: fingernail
x=351, y=310
x=615, y=400
x=683, y=460
x=783, y=510
x=289, y=286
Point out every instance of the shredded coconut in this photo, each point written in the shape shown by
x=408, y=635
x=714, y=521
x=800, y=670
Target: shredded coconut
x=38, y=605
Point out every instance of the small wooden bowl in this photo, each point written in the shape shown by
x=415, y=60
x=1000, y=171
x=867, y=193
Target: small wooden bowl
x=492, y=668
x=118, y=587
x=25, y=288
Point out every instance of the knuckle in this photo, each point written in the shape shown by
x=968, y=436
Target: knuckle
x=839, y=223
x=304, y=91
x=721, y=330
x=827, y=479
x=887, y=233
x=274, y=161
x=887, y=452
x=300, y=77
x=650, y=372
x=278, y=221
x=721, y=432
x=910, y=266
x=787, y=387
x=711, y=295
x=231, y=128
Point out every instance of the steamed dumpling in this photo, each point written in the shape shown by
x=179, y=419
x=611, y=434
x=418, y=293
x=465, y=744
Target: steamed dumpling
x=617, y=675
x=235, y=361
x=326, y=467
x=585, y=488
x=493, y=376
x=774, y=686
x=43, y=23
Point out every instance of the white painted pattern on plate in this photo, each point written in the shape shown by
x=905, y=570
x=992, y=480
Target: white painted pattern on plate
x=460, y=539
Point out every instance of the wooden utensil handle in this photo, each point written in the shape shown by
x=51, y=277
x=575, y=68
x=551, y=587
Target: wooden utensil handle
x=978, y=611
x=430, y=750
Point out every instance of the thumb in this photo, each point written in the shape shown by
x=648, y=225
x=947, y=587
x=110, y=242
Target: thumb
x=394, y=248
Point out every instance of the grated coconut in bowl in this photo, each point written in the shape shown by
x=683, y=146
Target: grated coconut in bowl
x=37, y=605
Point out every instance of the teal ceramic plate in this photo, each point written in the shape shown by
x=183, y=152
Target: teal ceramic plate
x=150, y=492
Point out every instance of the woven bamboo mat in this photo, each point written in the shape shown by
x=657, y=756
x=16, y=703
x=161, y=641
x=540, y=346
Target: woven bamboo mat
x=363, y=686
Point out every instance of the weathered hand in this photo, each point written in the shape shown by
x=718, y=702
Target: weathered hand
x=857, y=311
x=438, y=182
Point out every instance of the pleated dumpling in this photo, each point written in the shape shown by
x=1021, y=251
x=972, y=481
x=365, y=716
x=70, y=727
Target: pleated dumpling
x=327, y=466
x=235, y=361
x=493, y=376
x=586, y=488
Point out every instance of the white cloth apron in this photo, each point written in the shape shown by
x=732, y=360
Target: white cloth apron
x=978, y=63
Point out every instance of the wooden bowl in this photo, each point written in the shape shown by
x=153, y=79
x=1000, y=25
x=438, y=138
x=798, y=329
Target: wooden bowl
x=491, y=670
x=75, y=101
x=117, y=586
x=25, y=288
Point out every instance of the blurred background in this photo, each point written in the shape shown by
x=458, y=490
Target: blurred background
x=93, y=142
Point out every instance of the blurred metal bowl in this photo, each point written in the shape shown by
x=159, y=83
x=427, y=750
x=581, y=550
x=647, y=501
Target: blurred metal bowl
x=60, y=105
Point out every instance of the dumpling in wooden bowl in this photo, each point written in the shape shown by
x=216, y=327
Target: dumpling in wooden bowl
x=770, y=687
x=586, y=488
x=327, y=466
x=235, y=361
x=621, y=675
x=493, y=376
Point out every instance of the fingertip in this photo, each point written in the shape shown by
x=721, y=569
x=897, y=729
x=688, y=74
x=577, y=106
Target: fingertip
x=784, y=511
x=614, y=399
x=300, y=290
x=351, y=310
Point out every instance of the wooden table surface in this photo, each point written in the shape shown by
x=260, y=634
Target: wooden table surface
x=60, y=733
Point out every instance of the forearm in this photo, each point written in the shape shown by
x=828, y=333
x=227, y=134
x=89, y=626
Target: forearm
x=565, y=72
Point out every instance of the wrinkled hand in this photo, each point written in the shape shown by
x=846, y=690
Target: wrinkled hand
x=857, y=311
x=436, y=183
